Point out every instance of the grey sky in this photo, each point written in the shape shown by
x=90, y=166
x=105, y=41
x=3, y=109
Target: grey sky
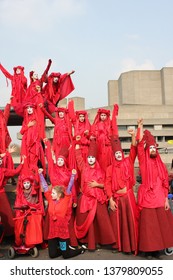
x=99, y=39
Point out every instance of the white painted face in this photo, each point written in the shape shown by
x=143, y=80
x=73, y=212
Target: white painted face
x=26, y=185
x=61, y=115
x=54, y=194
x=30, y=110
x=18, y=71
x=152, y=150
x=35, y=76
x=91, y=160
x=81, y=118
x=55, y=79
x=60, y=161
x=118, y=155
x=103, y=116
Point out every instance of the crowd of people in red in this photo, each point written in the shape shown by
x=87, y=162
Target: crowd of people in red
x=80, y=184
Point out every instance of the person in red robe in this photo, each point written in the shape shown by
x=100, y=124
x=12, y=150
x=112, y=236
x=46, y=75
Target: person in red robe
x=5, y=139
x=29, y=196
x=62, y=129
x=92, y=223
x=32, y=144
x=59, y=200
x=35, y=82
x=6, y=212
x=57, y=88
x=156, y=219
x=101, y=130
x=19, y=86
x=82, y=129
x=60, y=174
x=34, y=95
x=119, y=186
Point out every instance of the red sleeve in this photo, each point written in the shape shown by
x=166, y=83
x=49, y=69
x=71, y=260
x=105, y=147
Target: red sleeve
x=133, y=154
x=141, y=158
x=6, y=73
x=108, y=183
x=48, y=195
x=79, y=159
x=23, y=129
x=49, y=158
x=48, y=115
x=66, y=86
x=7, y=112
x=13, y=172
x=44, y=75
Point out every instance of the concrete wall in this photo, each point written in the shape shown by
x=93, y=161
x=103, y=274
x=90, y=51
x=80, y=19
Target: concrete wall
x=145, y=87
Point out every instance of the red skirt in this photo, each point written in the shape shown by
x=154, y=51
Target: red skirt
x=155, y=229
x=100, y=230
x=125, y=224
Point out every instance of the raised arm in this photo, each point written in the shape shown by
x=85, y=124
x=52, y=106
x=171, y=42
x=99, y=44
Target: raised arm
x=71, y=182
x=5, y=72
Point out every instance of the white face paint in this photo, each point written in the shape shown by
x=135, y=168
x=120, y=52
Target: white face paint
x=35, y=76
x=60, y=161
x=18, y=71
x=26, y=185
x=81, y=118
x=55, y=79
x=61, y=115
x=54, y=194
x=30, y=110
x=103, y=116
x=152, y=150
x=118, y=155
x=91, y=160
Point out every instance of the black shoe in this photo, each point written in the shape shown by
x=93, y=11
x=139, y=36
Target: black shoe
x=157, y=255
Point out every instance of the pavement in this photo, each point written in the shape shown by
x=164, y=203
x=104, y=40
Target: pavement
x=102, y=253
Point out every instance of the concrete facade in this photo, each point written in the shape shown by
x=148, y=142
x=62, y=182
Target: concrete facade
x=145, y=87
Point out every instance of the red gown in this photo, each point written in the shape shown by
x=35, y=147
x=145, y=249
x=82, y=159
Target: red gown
x=92, y=224
x=31, y=141
x=5, y=138
x=62, y=130
x=102, y=131
x=19, y=87
x=125, y=219
x=6, y=212
x=155, y=223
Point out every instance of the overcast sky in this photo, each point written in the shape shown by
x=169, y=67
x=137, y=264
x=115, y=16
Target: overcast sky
x=99, y=39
